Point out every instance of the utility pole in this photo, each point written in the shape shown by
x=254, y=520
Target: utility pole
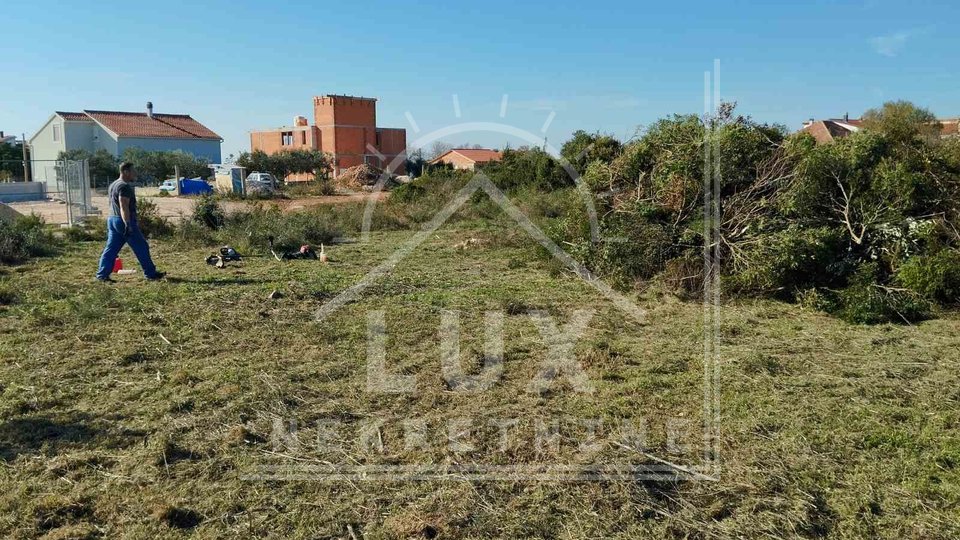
x=26, y=162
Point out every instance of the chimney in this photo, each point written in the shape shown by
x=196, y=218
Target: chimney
x=846, y=117
x=149, y=109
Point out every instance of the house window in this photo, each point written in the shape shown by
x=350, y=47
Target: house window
x=56, y=133
x=287, y=138
x=303, y=138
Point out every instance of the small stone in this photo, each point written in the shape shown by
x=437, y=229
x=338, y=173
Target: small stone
x=275, y=295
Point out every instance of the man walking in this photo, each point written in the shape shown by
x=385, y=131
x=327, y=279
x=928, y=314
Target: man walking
x=122, y=227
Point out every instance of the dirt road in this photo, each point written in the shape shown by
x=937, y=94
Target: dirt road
x=175, y=208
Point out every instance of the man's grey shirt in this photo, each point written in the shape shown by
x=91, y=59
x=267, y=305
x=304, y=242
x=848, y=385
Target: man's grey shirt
x=118, y=189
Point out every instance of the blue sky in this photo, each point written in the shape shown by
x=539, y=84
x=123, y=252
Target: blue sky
x=605, y=66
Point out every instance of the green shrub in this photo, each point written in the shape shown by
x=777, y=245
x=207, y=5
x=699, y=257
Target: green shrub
x=634, y=248
x=163, y=194
x=207, y=211
x=935, y=277
x=250, y=229
x=190, y=233
x=407, y=193
x=819, y=299
x=77, y=233
x=865, y=301
x=325, y=185
x=151, y=223
x=790, y=260
x=93, y=229
x=25, y=237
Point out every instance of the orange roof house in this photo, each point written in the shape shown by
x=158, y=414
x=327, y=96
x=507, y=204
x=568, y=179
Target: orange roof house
x=115, y=131
x=825, y=131
x=344, y=127
x=467, y=158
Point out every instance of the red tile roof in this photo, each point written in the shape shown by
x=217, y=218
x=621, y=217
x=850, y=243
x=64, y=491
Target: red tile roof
x=829, y=130
x=130, y=124
x=950, y=127
x=74, y=116
x=477, y=155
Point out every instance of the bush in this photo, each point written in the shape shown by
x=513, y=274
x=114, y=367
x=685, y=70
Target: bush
x=190, y=233
x=163, y=194
x=684, y=275
x=93, y=229
x=151, y=223
x=787, y=261
x=25, y=237
x=407, y=193
x=634, y=248
x=864, y=301
x=250, y=229
x=935, y=277
x=77, y=233
x=208, y=212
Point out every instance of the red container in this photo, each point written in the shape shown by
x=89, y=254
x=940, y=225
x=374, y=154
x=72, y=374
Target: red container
x=117, y=265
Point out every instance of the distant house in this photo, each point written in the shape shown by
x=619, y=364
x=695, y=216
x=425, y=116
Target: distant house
x=116, y=131
x=950, y=127
x=467, y=158
x=825, y=131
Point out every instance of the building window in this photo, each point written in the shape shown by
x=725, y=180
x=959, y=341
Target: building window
x=56, y=133
x=287, y=138
x=303, y=138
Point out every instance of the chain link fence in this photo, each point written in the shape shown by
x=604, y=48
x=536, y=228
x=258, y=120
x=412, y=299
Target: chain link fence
x=59, y=191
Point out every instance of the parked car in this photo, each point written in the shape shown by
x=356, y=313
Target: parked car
x=261, y=182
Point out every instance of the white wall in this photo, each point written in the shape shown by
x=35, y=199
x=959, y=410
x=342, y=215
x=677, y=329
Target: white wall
x=104, y=139
x=42, y=145
x=79, y=135
x=44, y=151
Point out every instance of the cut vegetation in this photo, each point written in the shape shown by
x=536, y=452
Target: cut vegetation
x=148, y=409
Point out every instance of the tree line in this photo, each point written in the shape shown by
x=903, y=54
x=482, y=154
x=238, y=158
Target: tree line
x=866, y=227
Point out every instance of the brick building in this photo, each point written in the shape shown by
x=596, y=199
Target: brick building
x=344, y=127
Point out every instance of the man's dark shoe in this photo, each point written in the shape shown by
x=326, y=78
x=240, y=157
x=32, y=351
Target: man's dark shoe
x=158, y=276
x=105, y=280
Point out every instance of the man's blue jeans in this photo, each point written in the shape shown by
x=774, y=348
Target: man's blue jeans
x=115, y=240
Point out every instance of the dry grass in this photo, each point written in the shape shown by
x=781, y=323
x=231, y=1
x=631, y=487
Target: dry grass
x=141, y=409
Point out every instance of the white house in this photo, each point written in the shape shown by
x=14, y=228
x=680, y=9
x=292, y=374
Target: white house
x=116, y=131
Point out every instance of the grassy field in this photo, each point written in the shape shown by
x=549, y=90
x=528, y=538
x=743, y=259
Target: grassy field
x=150, y=410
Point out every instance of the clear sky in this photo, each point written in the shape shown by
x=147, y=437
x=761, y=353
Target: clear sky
x=599, y=66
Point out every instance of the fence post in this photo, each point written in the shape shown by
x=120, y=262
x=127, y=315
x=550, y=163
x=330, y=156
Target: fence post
x=26, y=163
x=65, y=175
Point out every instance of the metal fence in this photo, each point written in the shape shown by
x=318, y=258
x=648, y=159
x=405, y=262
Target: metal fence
x=66, y=189
x=75, y=185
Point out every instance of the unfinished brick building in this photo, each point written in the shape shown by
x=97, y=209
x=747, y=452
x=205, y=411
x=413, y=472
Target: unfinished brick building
x=344, y=127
